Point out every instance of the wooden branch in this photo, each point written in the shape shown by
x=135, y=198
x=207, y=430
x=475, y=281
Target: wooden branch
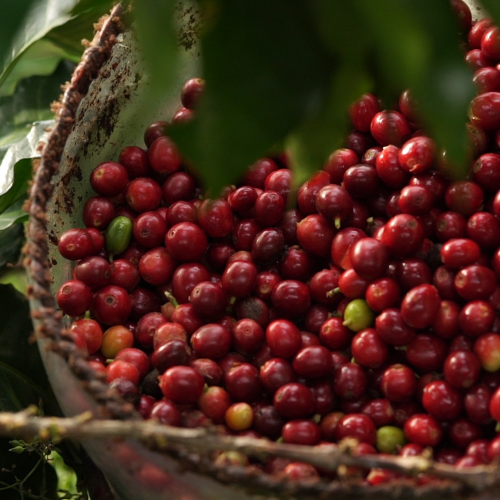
x=25, y=424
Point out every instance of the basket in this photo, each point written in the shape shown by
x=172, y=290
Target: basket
x=105, y=93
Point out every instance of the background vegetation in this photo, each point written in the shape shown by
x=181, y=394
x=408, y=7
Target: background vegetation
x=279, y=74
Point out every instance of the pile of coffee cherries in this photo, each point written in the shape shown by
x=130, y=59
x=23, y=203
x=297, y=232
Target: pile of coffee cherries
x=364, y=304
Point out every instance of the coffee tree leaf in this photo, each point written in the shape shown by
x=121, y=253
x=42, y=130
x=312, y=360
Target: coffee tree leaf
x=31, y=103
x=50, y=31
x=20, y=362
x=15, y=276
x=493, y=8
x=312, y=143
x=266, y=70
x=40, y=478
x=11, y=241
x=418, y=48
x=12, y=217
x=19, y=187
x=17, y=392
x=157, y=36
x=15, y=167
x=15, y=13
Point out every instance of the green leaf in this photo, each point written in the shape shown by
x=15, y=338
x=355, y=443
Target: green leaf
x=157, y=36
x=11, y=242
x=493, y=8
x=315, y=140
x=9, y=218
x=20, y=362
x=19, y=186
x=40, y=58
x=16, y=390
x=15, y=168
x=13, y=14
x=30, y=103
x=15, y=276
x=50, y=31
x=418, y=48
x=40, y=479
x=266, y=70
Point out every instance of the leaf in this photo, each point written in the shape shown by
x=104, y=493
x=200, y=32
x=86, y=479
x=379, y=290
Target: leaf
x=418, y=48
x=493, y=8
x=16, y=391
x=15, y=168
x=9, y=218
x=50, y=31
x=312, y=143
x=42, y=480
x=41, y=58
x=30, y=103
x=13, y=14
x=15, y=276
x=20, y=362
x=11, y=242
x=266, y=70
x=157, y=36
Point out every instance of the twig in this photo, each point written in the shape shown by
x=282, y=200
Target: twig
x=25, y=425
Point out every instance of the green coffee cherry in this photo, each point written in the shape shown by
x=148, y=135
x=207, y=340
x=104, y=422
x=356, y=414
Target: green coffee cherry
x=389, y=439
x=358, y=316
x=118, y=235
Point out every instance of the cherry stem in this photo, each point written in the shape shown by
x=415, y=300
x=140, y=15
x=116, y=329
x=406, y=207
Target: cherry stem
x=171, y=299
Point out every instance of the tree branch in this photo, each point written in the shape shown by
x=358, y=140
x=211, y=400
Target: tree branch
x=24, y=424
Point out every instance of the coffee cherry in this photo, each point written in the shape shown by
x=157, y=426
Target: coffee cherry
x=441, y=400
x=461, y=369
x=464, y=197
x=313, y=362
x=389, y=439
x=426, y=352
x=485, y=111
x=291, y=298
x=369, y=349
x=215, y=217
x=242, y=382
x=420, y=306
x=115, y=339
x=74, y=298
x=164, y=156
x=315, y=235
x=143, y=194
x=350, y=381
x=475, y=282
x=239, y=278
x=423, y=429
x=239, y=417
x=487, y=349
x=109, y=179
x=94, y=271
x=398, y=383
x=98, y=212
x=305, y=432
x=391, y=328
x=403, y=234
x=75, y=244
x=182, y=384
x=357, y=315
x=338, y=162
x=369, y=258
x=90, y=331
x=294, y=400
x=358, y=426
x=111, y=305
